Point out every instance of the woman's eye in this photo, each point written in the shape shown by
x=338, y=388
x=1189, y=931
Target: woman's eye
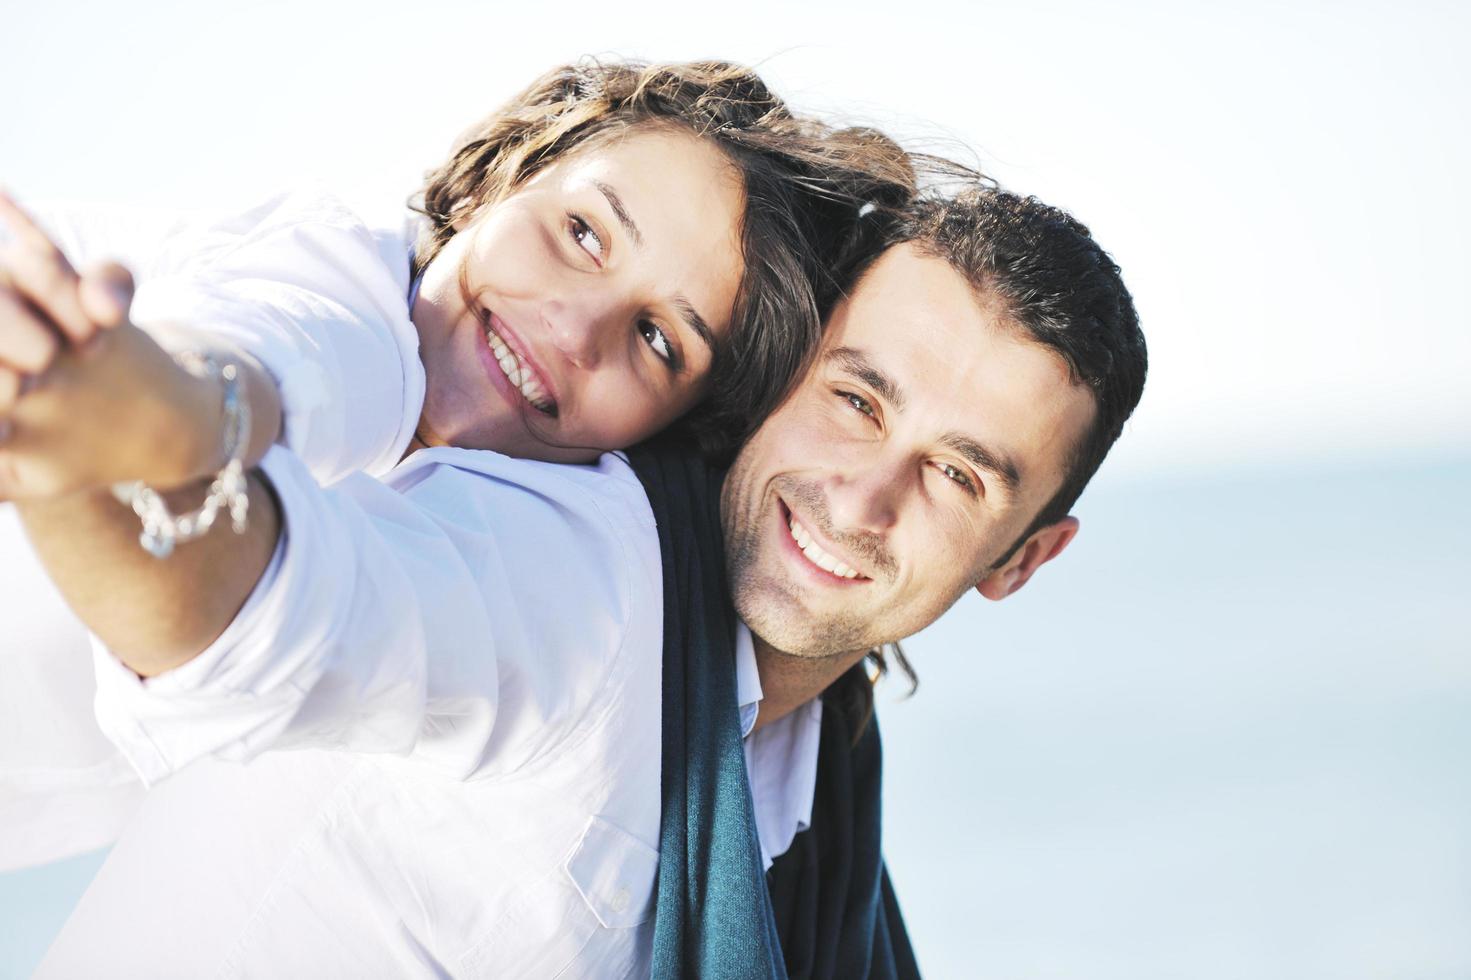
x=958, y=476
x=858, y=402
x=585, y=237
x=656, y=339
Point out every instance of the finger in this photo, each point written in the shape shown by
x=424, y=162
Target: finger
x=107, y=294
x=26, y=342
x=39, y=271
x=23, y=228
x=10, y=482
x=10, y=386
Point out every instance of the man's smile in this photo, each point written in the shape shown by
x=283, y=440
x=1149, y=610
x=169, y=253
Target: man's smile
x=817, y=561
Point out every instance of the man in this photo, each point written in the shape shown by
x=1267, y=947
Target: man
x=966, y=391
x=963, y=395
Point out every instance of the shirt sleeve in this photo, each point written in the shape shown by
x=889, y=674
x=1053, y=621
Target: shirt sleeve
x=301, y=284
x=147, y=241
x=469, y=621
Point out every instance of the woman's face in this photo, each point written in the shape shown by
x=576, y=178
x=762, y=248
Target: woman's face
x=590, y=299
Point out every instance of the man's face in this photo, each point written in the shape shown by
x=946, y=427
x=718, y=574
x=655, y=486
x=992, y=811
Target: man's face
x=926, y=437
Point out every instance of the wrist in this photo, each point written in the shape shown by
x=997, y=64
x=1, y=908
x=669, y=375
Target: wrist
x=199, y=447
x=215, y=407
x=228, y=489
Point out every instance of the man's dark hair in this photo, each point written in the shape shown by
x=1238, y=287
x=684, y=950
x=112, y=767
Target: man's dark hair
x=1056, y=283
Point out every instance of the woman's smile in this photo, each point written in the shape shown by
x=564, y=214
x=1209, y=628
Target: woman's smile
x=516, y=367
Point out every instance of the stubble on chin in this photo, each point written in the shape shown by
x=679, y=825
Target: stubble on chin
x=765, y=597
x=773, y=608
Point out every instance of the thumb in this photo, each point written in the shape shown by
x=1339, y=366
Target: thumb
x=106, y=294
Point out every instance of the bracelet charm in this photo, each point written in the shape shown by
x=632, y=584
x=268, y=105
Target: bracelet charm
x=162, y=529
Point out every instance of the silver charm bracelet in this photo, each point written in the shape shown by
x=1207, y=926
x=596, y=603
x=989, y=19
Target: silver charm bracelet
x=162, y=529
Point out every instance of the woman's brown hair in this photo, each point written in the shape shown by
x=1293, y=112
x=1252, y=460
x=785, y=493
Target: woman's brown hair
x=807, y=187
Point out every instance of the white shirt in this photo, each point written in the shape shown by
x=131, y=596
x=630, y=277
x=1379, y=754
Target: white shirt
x=499, y=814
x=456, y=673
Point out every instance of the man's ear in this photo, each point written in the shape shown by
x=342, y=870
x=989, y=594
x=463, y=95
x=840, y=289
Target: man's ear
x=1044, y=545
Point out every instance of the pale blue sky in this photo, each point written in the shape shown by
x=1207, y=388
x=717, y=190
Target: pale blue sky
x=1225, y=735
x=1283, y=184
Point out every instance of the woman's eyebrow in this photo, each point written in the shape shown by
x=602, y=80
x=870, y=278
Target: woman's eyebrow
x=620, y=211
x=691, y=316
x=680, y=302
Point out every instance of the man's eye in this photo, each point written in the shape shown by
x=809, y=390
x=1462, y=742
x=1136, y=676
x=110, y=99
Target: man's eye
x=858, y=402
x=957, y=476
x=585, y=237
x=658, y=340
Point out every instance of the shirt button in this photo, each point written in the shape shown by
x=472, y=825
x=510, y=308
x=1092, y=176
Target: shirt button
x=620, y=900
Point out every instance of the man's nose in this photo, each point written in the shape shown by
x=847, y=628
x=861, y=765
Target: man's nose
x=866, y=495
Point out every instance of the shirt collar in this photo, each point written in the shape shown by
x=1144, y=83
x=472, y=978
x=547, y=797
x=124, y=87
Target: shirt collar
x=748, y=679
x=781, y=759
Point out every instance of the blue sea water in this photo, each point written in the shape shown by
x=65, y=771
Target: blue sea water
x=1225, y=736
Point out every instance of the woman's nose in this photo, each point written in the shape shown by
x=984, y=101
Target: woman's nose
x=580, y=324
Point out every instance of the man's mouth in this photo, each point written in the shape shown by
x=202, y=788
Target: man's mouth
x=519, y=373
x=814, y=553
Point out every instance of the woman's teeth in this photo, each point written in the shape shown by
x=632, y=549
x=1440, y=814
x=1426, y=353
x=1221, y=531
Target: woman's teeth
x=816, y=555
x=519, y=374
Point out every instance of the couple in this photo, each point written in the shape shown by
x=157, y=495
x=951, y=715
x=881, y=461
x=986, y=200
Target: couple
x=528, y=734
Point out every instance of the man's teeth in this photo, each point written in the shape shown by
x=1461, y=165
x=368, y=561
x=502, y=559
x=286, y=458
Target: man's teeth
x=518, y=372
x=816, y=555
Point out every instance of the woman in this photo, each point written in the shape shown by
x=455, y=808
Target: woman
x=614, y=247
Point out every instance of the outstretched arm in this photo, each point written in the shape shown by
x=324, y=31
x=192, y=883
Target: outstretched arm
x=121, y=409
x=155, y=615
x=103, y=403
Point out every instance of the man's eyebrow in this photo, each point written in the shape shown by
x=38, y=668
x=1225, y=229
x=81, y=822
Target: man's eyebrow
x=621, y=212
x=998, y=464
x=697, y=323
x=856, y=363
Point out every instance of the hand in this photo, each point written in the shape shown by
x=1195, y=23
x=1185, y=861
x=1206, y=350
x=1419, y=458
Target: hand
x=34, y=269
x=45, y=304
x=116, y=408
x=86, y=398
x=119, y=409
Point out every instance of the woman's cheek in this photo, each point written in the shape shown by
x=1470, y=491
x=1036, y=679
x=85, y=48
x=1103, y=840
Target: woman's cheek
x=516, y=255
